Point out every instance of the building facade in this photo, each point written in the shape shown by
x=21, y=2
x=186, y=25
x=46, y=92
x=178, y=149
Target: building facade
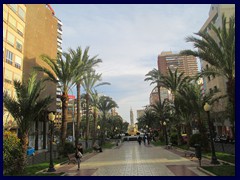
x=170, y=60
x=14, y=20
x=223, y=126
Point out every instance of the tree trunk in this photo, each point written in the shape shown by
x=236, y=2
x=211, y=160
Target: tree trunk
x=64, y=100
x=189, y=133
x=94, y=125
x=159, y=94
x=77, y=129
x=36, y=134
x=87, y=119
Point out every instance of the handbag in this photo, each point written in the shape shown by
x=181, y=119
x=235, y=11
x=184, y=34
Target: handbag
x=79, y=154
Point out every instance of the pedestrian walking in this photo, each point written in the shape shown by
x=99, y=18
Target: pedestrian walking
x=79, y=154
x=144, y=139
x=139, y=140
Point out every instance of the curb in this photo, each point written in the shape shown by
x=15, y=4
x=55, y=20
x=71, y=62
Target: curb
x=205, y=171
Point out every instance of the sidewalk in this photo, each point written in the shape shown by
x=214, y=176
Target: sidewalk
x=130, y=159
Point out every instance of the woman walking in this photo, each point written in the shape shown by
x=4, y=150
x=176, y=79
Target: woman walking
x=79, y=154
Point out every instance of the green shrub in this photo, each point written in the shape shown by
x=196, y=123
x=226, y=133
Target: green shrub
x=174, y=138
x=198, y=139
x=12, y=152
x=67, y=149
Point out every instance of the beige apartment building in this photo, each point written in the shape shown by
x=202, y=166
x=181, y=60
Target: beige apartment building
x=14, y=20
x=42, y=36
x=169, y=60
x=30, y=30
x=215, y=16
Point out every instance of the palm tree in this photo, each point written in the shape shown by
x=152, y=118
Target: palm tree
x=174, y=81
x=219, y=51
x=105, y=104
x=189, y=105
x=95, y=101
x=26, y=108
x=155, y=77
x=89, y=82
x=86, y=65
x=62, y=71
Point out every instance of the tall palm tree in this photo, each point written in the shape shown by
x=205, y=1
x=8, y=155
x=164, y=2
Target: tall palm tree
x=155, y=77
x=86, y=65
x=105, y=104
x=26, y=107
x=95, y=101
x=62, y=71
x=219, y=51
x=89, y=82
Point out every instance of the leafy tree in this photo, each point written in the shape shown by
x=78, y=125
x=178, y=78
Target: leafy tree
x=25, y=108
x=11, y=153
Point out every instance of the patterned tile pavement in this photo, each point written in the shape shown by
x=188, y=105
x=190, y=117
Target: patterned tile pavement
x=130, y=159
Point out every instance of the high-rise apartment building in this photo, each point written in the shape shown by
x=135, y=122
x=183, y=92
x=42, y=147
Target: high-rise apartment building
x=14, y=19
x=215, y=17
x=169, y=60
x=42, y=36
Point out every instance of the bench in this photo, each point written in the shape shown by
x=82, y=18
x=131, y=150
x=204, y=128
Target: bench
x=190, y=152
x=96, y=149
x=71, y=158
x=169, y=146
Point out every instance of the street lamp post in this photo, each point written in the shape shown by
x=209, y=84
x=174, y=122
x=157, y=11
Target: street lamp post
x=98, y=128
x=51, y=118
x=165, y=130
x=207, y=108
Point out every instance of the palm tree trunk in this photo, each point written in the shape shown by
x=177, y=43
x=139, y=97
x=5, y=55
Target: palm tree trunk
x=159, y=94
x=94, y=125
x=189, y=132
x=64, y=100
x=36, y=134
x=77, y=131
x=87, y=119
x=23, y=156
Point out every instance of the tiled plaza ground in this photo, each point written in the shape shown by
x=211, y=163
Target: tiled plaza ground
x=130, y=159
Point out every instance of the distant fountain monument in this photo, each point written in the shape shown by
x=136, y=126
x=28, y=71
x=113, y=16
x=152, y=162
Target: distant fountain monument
x=132, y=128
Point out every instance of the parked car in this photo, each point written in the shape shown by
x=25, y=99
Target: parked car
x=30, y=151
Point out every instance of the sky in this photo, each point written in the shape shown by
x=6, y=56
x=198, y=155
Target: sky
x=128, y=39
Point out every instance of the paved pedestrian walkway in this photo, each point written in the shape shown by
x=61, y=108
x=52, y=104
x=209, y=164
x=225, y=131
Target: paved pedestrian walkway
x=130, y=159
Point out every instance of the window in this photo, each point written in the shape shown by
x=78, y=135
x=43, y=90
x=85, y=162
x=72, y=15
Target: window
x=18, y=62
x=19, y=45
x=10, y=39
x=21, y=13
x=215, y=89
x=13, y=7
x=8, y=76
x=9, y=58
x=12, y=22
x=20, y=29
x=17, y=77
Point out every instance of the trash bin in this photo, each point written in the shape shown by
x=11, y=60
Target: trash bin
x=198, y=152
